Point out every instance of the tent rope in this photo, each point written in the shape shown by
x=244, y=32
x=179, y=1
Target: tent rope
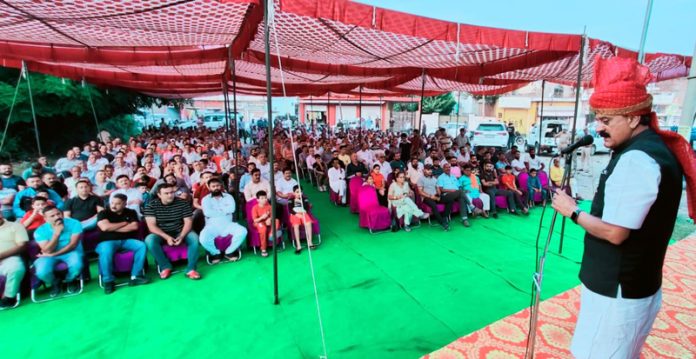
x=33, y=110
x=94, y=111
x=9, y=116
x=297, y=173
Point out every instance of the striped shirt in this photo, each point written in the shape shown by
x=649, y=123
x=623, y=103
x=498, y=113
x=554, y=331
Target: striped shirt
x=170, y=217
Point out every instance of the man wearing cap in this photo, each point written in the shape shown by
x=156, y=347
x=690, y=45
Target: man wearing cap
x=632, y=217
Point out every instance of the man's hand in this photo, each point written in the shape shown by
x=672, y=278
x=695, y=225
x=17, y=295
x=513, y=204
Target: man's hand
x=59, y=227
x=178, y=240
x=564, y=204
x=170, y=240
x=43, y=254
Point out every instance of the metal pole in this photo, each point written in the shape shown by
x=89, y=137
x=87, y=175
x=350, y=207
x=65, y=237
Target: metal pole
x=644, y=34
x=420, y=113
x=226, y=106
x=360, y=112
x=459, y=99
x=269, y=103
x=33, y=112
x=541, y=117
x=236, y=138
x=689, y=107
x=578, y=89
x=94, y=111
x=539, y=274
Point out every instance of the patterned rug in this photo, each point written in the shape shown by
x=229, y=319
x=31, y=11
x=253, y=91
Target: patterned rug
x=673, y=334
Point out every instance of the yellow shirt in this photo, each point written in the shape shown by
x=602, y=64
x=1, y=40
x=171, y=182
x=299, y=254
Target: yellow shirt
x=11, y=235
x=556, y=174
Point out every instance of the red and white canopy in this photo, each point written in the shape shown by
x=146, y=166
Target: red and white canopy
x=184, y=48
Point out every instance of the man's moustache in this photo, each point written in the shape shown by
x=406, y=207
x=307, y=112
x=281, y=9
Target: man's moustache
x=603, y=134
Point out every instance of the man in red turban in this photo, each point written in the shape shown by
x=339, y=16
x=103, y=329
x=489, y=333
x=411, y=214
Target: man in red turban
x=632, y=216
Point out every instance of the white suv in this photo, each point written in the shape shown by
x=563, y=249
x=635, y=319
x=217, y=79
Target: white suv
x=490, y=134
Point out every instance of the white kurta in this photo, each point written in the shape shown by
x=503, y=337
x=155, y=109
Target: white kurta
x=617, y=327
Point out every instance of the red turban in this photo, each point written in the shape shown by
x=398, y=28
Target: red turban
x=620, y=90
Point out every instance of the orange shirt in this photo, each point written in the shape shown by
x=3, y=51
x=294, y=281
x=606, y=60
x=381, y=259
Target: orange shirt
x=259, y=211
x=508, y=181
x=379, y=180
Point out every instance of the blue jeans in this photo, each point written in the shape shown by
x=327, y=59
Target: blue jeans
x=154, y=245
x=107, y=249
x=44, y=266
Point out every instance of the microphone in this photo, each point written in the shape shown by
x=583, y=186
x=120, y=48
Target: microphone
x=583, y=141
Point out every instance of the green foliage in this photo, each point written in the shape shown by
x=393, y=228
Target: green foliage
x=442, y=104
x=490, y=100
x=63, y=112
x=406, y=107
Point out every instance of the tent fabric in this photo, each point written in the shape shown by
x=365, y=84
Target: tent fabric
x=184, y=48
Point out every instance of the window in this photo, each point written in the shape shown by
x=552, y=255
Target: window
x=491, y=127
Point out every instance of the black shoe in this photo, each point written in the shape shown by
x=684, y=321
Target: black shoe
x=446, y=227
x=495, y=215
x=298, y=250
x=7, y=303
x=55, y=289
x=138, y=281
x=74, y=286
x=109, y=287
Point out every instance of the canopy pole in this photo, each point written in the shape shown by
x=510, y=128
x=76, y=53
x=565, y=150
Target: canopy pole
x=420, y=113
x=689, y=108
x=644, y=34
x=269, y=103
x=541, y=116
x=33, y=111
x=459, y=99
x=236, y=140
x=328, y=103
x=226, y=107
x=360, y=111
x=9, y=116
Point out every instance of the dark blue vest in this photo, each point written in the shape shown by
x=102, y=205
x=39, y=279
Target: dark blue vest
x=636, y=264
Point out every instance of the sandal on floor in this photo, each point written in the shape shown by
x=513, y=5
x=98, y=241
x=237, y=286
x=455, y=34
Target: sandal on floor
x=264, y=254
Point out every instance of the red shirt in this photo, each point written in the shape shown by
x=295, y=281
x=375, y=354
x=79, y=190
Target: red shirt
x=508, y=180
x=38, y=220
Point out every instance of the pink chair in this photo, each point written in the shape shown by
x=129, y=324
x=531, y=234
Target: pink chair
x=477, y=202
x=372, y=216
x=544, y=179
x=333, y=197
x=174, y=254
x=316, y=230
x=354, y=185
x=123, y=264
x=253, y=237
x=222, y=243
x=501, y=202
x=522, y=180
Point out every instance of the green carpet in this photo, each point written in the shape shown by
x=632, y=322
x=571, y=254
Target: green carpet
x=390, y=295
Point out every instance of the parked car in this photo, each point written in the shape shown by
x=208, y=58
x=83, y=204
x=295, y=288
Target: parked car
x=490, y=134
x=452, y=128
x=548, y=139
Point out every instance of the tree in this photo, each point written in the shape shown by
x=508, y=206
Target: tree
x=442, y=104
x=63, y=112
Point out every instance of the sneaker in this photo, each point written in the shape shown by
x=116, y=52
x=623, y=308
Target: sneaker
x=425, y=216
x=165, y=273
x=7, y=303
x=215, y=258
x=109, y=287
x=138, y=281
x=55, y=289
x=192, y=274
x=407, y=228
x=74, y=286
x=465, y=222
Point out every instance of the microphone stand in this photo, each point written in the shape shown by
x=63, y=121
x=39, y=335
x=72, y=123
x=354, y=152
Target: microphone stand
x=538, y=276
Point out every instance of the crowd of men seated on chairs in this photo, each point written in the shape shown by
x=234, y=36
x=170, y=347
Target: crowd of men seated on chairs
x=167, y=191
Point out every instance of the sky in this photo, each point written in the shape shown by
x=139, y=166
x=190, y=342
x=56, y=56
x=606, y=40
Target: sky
x=672, y=26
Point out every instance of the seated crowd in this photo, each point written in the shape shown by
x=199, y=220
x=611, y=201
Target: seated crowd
x=170, y=188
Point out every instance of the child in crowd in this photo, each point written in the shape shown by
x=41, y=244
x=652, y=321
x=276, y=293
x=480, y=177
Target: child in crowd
x=534, y=186
x=261, y=214
x=300, y=217
x=33, y=218
x=509, y=181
